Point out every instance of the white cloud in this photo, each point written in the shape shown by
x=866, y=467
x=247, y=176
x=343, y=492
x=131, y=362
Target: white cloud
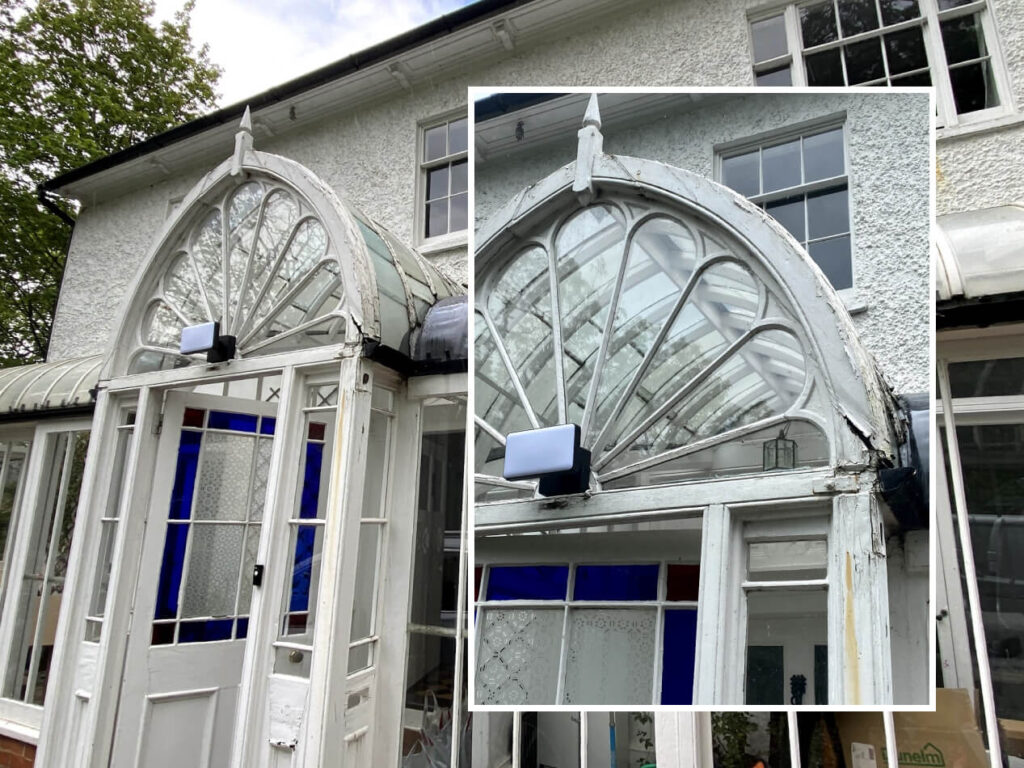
x=263, y=43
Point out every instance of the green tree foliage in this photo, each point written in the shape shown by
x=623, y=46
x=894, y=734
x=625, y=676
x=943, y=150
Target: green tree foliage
x=79, y=79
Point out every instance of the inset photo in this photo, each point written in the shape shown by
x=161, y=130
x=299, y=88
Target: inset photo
x=701, y=393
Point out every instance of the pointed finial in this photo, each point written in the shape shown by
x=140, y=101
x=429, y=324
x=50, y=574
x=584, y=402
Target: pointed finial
x=593, y=113
x=591, y=144
x=243, y=142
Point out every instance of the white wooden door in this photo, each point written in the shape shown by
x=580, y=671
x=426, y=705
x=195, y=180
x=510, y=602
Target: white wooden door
x=191, y=606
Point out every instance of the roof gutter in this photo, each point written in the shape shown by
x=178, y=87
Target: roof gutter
x=43, y=197
x=425, y=33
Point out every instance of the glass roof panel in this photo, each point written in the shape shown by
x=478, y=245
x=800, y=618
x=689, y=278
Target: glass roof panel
x=49, y=386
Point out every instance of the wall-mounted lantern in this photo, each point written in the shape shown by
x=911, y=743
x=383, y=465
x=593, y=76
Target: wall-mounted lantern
x=779, y=453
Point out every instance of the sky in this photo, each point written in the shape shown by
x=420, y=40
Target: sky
x=263, y=43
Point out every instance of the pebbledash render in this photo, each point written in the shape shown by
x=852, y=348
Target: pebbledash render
x=328, y=233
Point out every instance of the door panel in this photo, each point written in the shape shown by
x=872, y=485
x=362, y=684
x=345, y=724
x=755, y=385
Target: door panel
x=191, y=606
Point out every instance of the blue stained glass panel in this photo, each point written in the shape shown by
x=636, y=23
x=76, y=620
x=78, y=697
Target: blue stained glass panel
x=302, y=569
x=185, y=475
x=268, y=425
x=527, y=582
x=237, y=422
x=243, y=628
x=311, y=481
x=616, y=582
x=205, y=631
x=170, y=571
x=678, y=656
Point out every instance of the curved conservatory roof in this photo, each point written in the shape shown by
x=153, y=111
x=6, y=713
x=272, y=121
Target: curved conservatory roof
x=61, y=385
x=274, y=255
x=676, y=323
x=980, y=252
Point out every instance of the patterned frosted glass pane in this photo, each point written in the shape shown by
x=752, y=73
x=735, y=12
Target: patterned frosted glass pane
x=264, y=448
x=775, y=560
x=520, y=305
x=611, y=656
x=588, y=252
x=517, y=657
x=224, y=477
x=662, y=257
x=212, y=570
x=252, y=545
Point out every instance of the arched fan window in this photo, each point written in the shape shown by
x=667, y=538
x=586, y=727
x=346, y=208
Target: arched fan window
x=278, y=271
x=658, y=333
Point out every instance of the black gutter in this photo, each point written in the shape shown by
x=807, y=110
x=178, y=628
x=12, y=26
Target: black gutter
x=53, y=208
x=980, y=312
x=414, y=38
x=47, y=413
x=405, y=366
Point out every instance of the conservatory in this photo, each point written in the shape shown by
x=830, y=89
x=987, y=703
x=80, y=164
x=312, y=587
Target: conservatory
x=747, y=461
x=224, y=573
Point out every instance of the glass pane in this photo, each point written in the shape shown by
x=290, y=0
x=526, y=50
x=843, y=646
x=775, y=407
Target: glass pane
x=778, y=560
x=683, y=582
x=519, y=303
x=824, y=155
x=864, y=61
x=828, y=213
x=750, y=738
x=945, y=5
x=781, y=166
x=377, y=464
x=974, y=87
x=589, y=250
x=460, y=176
x=905, y=50
x=527, y=582
x=517, y=657
x=987, y=378
x=426, y=732
x=457, y=135
x=895, y=11
x=818, y=24
x=104, y=561
x=783, y=628
x=833, y=256
x=609, y=658
x=435, y=142
x=856, y=16
x=769, y=38
x=366, y=593
x=963, y=39
x=616, y=582
x=661, y=260
x=213, y=564
x=743, y=173
x=677, y=657
x=824, y=68
x=307, y=544
x=224, y=477
x=14, y=460
x=459, y=212
x=496, y=401
x=780, y=76
x=789, y=212
x=921, y=79
x=437, y=183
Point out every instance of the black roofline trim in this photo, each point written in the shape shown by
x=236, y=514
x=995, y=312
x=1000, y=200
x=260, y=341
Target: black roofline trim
x=503, y=103
x=980, y=312
x=47, y=413
x=425, y=33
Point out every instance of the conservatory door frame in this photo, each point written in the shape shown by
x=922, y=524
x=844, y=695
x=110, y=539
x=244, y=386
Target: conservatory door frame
x=860, y=666
x=87, y=677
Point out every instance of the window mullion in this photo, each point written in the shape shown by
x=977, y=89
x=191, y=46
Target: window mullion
x=563, y=656
x=892, y=756
x=936, y=52
x=794, y=738
x=517, y=739
x=584, y=738
x=795, y=43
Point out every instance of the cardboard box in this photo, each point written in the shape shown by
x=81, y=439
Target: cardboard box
x=946, y=738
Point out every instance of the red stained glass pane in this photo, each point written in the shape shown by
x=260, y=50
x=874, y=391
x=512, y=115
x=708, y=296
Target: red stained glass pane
x=316, y=431
x=193, y=417
x=296, y=623
x=163, y=634
x=477, y=576
x=683, y=582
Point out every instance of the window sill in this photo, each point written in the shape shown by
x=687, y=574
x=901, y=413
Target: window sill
x=984, y=126
x=19, y=732
x=444, y=242
x=854, y=304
